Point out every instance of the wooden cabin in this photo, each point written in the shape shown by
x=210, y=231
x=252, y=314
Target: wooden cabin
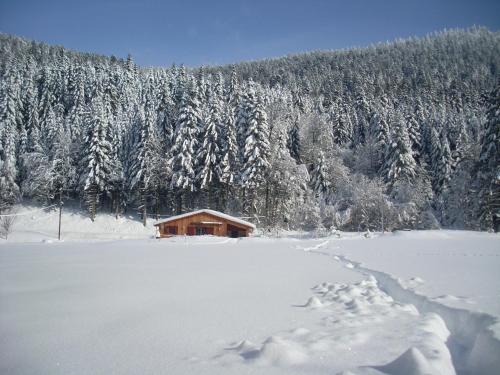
x=204, y=222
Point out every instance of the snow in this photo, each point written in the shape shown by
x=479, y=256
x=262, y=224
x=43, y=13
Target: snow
x=35, y=225
x=211, y=212
x=446, y=266
x=403, y=303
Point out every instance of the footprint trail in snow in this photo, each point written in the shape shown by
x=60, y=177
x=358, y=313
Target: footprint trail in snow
x=353, y=320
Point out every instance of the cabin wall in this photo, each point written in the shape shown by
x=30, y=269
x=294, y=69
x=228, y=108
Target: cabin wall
x=184, y=227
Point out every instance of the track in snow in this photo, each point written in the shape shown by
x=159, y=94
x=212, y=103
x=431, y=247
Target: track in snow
x=472, y=342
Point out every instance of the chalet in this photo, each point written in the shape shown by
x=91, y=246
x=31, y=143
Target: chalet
x=204, y=222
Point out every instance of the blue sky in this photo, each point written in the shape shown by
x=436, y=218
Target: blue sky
x=160, y=33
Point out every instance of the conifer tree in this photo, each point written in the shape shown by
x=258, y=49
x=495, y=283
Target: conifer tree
x=96, y=159
x=294, y=143
x=414, y=135
x=319, y=181
x=440, y=160
x=183, y=152
x=209, y=153
x=341, y=127
x=256, y=148
x=144, y=174
x=399, y=162
x=489, y=165
x=9, y=114
x=229, y=162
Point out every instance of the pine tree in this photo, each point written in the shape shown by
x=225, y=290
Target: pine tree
x=233, y=96
x=399, y=162
x=9, y=115
x=61, y=173
x=256, y=141
x=182, y=159
x=363, y=111
x=381, y=139
x=144, y=175
x=255, y=151
x=76, y=115
x=294, y=143
x=414, y=135
x=229, y=162
x=440, y=160
x=208, y=156
x=489, y=165
x=462, y=147
x=319, y=181
x=341, y=127
x=166, y=112
x=96, y=163
x=47, y=95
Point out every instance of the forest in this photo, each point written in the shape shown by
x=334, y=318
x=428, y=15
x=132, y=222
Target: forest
x=400, y=135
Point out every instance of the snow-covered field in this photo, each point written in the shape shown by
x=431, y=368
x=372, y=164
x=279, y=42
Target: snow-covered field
x=402, y=303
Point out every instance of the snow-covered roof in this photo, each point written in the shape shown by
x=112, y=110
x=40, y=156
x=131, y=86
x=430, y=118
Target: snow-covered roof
x=210, y=212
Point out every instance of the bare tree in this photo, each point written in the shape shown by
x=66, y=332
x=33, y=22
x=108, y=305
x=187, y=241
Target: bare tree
x=7, y=224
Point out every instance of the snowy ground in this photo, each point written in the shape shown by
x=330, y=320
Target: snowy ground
x=403, y=303
x=35, y=225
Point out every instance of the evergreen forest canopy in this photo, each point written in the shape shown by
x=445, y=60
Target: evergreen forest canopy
x=403, y=134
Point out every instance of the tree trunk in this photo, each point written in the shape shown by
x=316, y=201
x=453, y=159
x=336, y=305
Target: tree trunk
x=267, y=203
x=144, y=208
x=179, y=203
x=157, y=204
x=93, y=206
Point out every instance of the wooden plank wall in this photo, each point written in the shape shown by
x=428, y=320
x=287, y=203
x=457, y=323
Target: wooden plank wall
x=219, y=230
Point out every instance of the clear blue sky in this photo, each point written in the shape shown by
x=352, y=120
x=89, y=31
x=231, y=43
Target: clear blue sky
x=193, y=32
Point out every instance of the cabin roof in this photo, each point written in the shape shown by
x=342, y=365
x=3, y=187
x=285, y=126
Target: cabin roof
x=210, y=212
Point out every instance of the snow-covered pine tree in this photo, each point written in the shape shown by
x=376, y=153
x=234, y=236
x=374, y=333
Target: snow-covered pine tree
x=241, y=121
x=76, y=113
x=256, y=147
x=117, y=178
x=166, y=112
x=47, y=94
x=233, y=96
x=381, y=138
x=462, y=147
x=489, y=165
x=286, y=182
x=144, y=174
x=341, y=127
x=61, y=173
x=96, y=165
x=30, y=104
x=363, y=111
x=208, y=157
x=399, y=162
x=440, y=160
x=183, y=151
x=10, y=112
x=319, y=180
x=293, y=142
x=229, y=163
x=414, y=135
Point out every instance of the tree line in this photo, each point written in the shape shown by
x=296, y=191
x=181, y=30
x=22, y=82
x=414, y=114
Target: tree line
x=404, y=135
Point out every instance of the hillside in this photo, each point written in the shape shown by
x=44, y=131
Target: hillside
x=399, y=134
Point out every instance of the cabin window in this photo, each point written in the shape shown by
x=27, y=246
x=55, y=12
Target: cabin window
x=235, y=232
x=171, y=229
x=201, y=231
